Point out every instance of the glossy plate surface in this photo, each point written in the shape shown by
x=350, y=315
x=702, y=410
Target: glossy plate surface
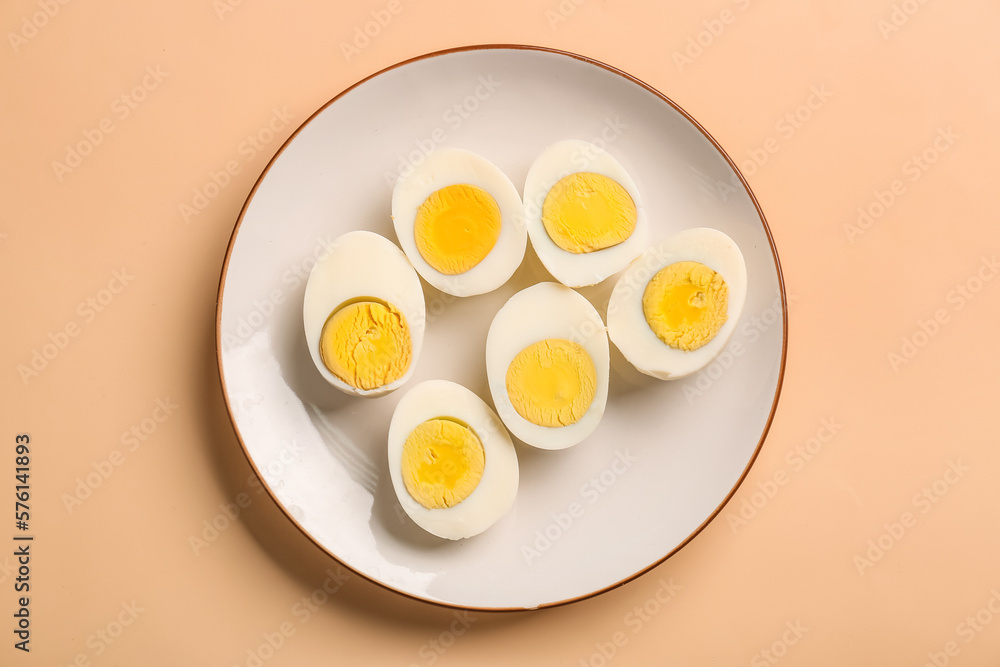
x=666, y=456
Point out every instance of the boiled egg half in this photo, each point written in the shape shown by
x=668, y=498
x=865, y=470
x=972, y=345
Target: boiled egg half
x=452, y=464
x=460, y=221
x=584, y=215
x=547, y=362
x=675, y=308
x=363, y=314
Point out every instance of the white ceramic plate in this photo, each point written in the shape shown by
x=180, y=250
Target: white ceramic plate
x=666, y=456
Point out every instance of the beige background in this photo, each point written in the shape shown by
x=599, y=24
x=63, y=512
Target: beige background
x=880, y=547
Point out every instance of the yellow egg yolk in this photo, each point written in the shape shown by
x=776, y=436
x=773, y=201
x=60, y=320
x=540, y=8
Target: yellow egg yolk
x=442, y=464
x=366, y=344
x=686, y=304
x=456, y=228
x=585, y=212
x=552, y=382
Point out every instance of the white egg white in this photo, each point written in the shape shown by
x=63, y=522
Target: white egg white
x=546, y=310
x=454, y=166
x=493, y=496
x=356, y=266
x=553, y=164
x=627, y=325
